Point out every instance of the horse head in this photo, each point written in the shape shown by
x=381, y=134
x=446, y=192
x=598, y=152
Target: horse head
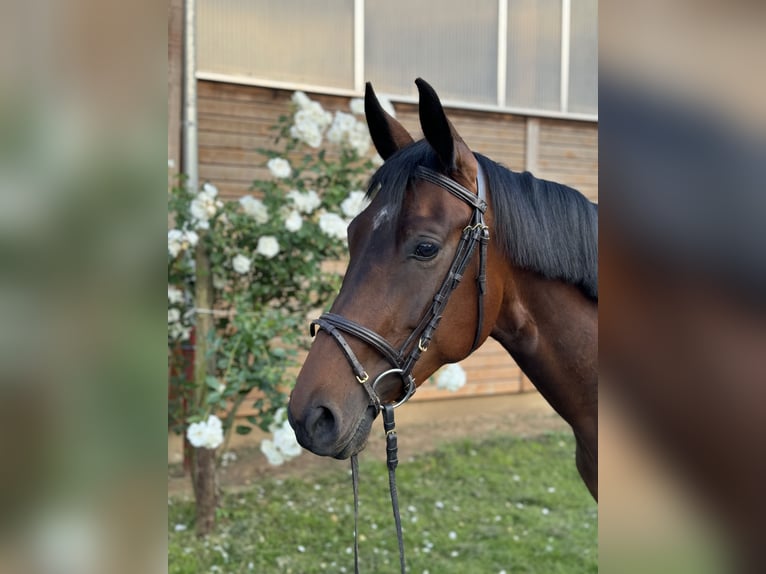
x=402, y=253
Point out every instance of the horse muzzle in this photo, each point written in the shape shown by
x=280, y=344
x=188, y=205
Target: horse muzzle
x=323, y=430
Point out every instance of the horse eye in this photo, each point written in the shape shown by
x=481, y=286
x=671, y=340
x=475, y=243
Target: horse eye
x=426, y=251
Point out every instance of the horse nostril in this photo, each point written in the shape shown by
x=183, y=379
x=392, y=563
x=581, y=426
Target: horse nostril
x=321, y=423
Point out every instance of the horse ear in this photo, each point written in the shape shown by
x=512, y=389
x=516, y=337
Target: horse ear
x=442, y=135
x=388, y=135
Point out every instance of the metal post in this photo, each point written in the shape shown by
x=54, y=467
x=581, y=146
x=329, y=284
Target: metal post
x=359, y=46
x=566, y=28
x=190, y=167
x=502, y=50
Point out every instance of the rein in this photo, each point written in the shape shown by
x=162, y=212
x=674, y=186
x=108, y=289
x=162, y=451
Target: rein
x=403, y=359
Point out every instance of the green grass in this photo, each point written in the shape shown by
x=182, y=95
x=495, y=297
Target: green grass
x=502, y=504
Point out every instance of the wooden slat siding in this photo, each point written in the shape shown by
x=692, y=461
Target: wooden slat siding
x=490, y=370
x=568, y=154
x=234, y=121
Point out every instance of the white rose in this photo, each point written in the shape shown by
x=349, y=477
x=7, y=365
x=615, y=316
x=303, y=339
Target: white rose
x=214, y=422
x=333, y=225
x=204, y=206
x=342, y=125
x=241, y=264
x=196, y=434
x=311, y=201
x=214, y=432
x=201, y=223
x=279, y=167
x=175, y=295
x=173, y=315
x=175, y=241
x=357, y=106
x=300, y=99
x=207, y=197
x=307, y=127
x=317, y=114
x=206, y=434
x=255, y=208
x=280, y=416
x=285, y=441
x=294, y=221
x=267, y=246
x=307, y=132
x=354, y=204
x=359, y=139
x=452, y=377
x=178, y=331
x=209, y=189
x=349, y=133
x=191, y=237
x=272, y=453
x=304, y=202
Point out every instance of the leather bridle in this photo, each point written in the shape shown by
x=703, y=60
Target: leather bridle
x=403, y=359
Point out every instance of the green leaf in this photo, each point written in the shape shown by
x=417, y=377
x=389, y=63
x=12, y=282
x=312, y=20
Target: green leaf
x=279, y=352
x=242, y=429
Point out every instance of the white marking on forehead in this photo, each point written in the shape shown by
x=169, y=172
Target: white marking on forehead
x=382, y=216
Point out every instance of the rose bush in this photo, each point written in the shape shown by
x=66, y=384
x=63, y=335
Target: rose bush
x=266, y=255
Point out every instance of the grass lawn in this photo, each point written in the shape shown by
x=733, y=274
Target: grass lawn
x=504, y=504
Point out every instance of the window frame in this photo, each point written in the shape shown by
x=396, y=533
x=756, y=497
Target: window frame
x=500, y=105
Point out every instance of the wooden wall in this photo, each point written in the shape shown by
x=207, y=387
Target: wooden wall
x=234, y=121
x=568, y=153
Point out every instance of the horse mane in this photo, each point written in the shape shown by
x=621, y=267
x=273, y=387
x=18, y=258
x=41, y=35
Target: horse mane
x=541, y=226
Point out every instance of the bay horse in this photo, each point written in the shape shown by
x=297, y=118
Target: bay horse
x=537, y=287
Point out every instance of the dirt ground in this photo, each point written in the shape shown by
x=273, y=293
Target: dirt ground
x=421, y=427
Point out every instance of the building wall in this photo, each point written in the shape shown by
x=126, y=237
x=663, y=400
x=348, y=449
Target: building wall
x=234, y=121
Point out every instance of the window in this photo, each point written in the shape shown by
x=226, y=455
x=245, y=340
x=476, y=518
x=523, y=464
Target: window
x=533, y=77
x=583, y=57
x=300, y=41
x=454, y=48
x=529, y=56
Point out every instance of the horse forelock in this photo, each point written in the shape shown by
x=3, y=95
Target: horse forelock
x=394, y=178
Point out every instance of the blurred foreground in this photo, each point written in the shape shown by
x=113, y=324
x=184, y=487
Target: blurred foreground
x=82, y=216
x=683, y=342
x=683, y=282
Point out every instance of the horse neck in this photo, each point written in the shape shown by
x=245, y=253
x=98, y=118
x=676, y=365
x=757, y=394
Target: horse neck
x=550, y=328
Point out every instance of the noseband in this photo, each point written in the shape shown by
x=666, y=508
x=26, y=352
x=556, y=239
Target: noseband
x=402, y=361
